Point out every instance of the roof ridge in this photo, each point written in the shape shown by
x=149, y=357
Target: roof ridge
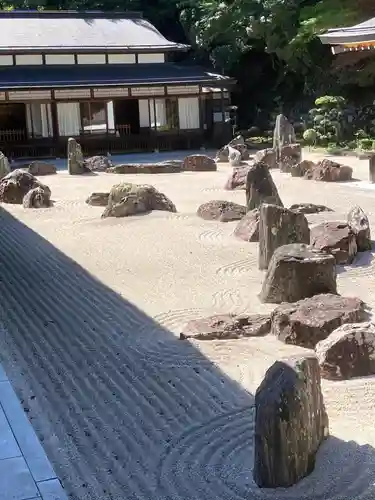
x=79, y=14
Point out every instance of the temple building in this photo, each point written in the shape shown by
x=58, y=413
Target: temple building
x=107, y=79
x=359, y=37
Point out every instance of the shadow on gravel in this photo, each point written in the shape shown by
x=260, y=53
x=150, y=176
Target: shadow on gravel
x=123, y=408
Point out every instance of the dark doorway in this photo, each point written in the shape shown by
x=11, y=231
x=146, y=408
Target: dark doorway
x=13, y=116
x=127, y=116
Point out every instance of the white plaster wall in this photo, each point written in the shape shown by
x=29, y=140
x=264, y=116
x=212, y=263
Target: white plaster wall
x=29, y=59
x=151, y=58
x=121, y=58
x=91, y=58
x=60, y=59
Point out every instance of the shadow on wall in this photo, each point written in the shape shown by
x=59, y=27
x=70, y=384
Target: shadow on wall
x=124, y=409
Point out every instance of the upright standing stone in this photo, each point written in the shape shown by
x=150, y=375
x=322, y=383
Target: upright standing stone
x=76, y=163
x=360, y=226
x=260, y=187
x=234, y=157
x=291, y=422
x=283, y=134
x=279, y=226
x=372, y=168
x=4, y=165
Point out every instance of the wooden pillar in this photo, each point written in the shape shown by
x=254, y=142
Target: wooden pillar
x=372, y=168
x=222, y=105
x=55, y=121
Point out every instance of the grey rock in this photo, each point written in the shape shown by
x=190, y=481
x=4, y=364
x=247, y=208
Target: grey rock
x=296, y=272
x=360, y=226
x=38, y=197
x=4, y=165
x=42, y=168
x=238, y=178
x=267, y=156
x=234, y=157
x=223, y=211
x=337, y=238
x=260, y=187
x=300, y=169
x=199, y=163
x=308, y=321
x=283, y=134
x=98, y=199
x=98, y=163
x=309, y=208
x=279, y=226
x=227, y=326
x=248, y=227
x=15, y=185
x=165, y=167
x=291, y=422
x=76, y=163
x=329, y=171
x=289, y=155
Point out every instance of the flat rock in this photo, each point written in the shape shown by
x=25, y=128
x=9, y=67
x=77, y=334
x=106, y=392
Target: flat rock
x=15, y=185
x=238, y=178
x=359, y=224
x=199, y=163
x=349, y=351
x=42, y=168
x=296, y=272
x=260, y=187
x=38, y=197
x=227, y=326
x=329, y=171
x=223, y=211
x=308, y=321
x=300, y=169
x=169, y=167
x=98, y=163
x=309, y=208
x=248, y=227
x=279, y=226
x=267, y=156
x=98, y=199
x=291, y=422
x=335, y=238
x=127, y=199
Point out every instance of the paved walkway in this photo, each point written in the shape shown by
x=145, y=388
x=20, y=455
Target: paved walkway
x=25, y=471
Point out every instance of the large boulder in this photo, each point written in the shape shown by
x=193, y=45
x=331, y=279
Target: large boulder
x=4, y=165
x=300, y=169
x=165, y=167
x=42, y=168
x=329, y=171
x=227, y=326
x=127, y=199
x=98, y=199
x=98, y=163
x=360, y=226
x=283, y=134
x=349, y=351
x=15, y=185
x=296, y=272
x=238, y=178
x=223, y=211
x=290, y=155
x=234, y=157
x=267, y=156
x=248, y=227
x=308, y=321
x=38, y=197
x=76, y=163
x=199, y=163
x=291, y=422
x=260, y=187
x=337, y=238
x=279, y=226
x=309, y=208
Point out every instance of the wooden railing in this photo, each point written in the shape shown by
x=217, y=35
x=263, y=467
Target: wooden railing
x=12, y=135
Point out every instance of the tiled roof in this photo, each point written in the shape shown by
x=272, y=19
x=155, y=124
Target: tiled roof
x=364, y=32
x=102, y=75
x=72, y=30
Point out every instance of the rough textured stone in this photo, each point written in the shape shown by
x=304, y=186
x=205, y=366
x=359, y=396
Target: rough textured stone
x=349, y=351
x=238, y=143
x=234, y=157
x=336, y=238
x=165, y=167
x=237, y=179
x=283, y=134
x=98, y=199
x=248, y=227
x=300, y=169
x=42, y=168
x=296, y=272
x=227, y=326
x=279, y=226
x=372, y=168
x=290, y=155
x=291, y=422
x=199, y=163
x=15, y=185
x=260, y=187
x=98, y=163
x=37, y=198
x=127, y=199
x=309, y=208
x=4, y=165
x=329, y=171
x=223, y=211
x=76, y=164
x=267, y=156
x=308, y=321
x=360, y=226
